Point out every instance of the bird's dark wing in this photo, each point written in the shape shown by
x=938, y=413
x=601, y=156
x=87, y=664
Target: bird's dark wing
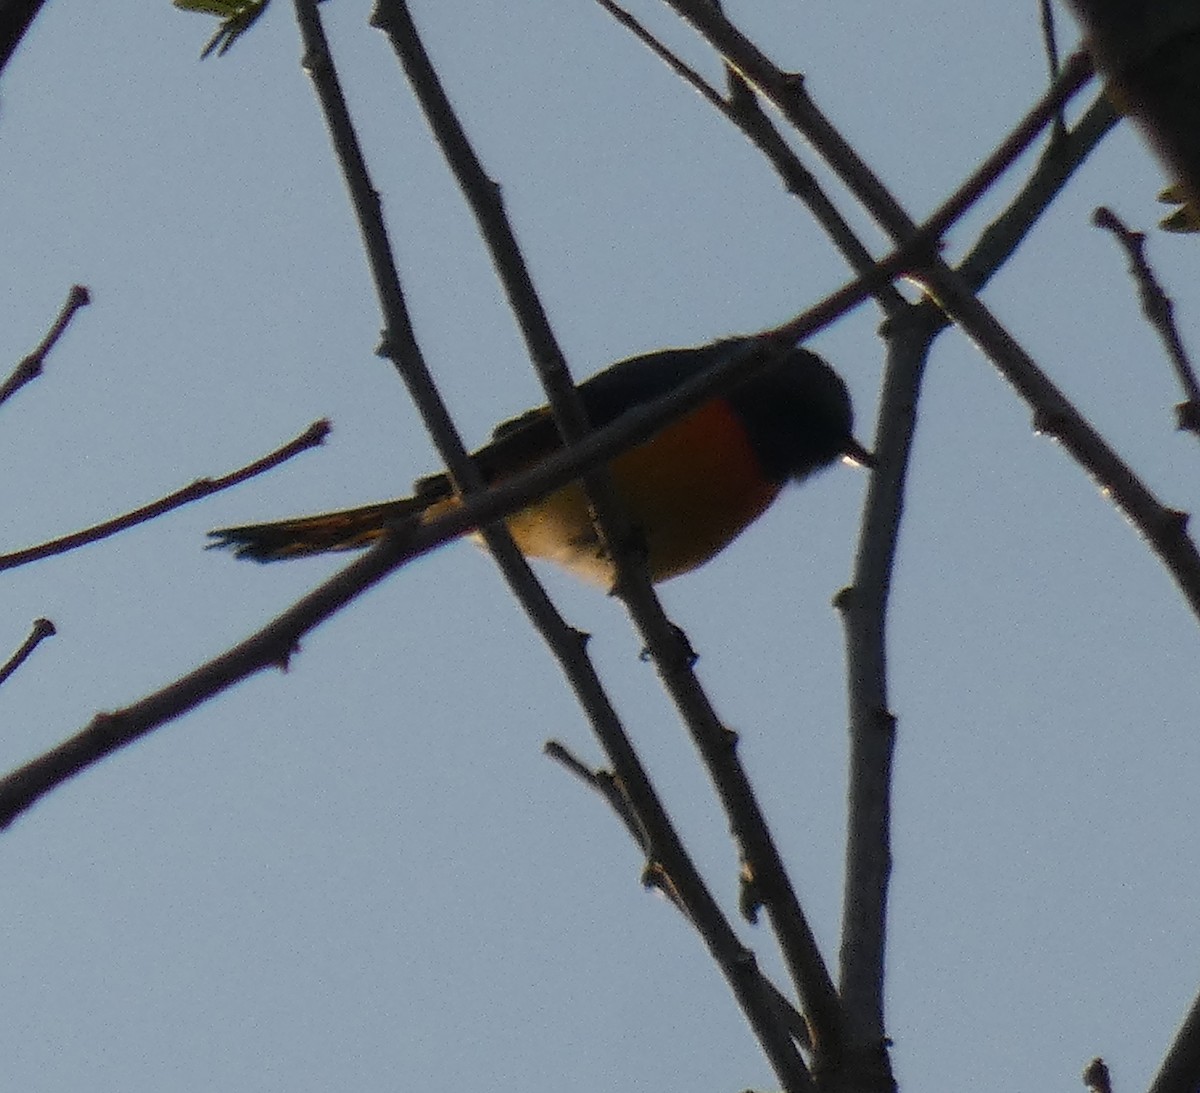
x=525, y=440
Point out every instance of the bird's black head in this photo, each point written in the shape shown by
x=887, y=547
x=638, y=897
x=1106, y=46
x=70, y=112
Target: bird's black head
x=798, y=416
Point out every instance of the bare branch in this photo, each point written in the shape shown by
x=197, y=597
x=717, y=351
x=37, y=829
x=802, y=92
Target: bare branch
x=203, y=487
x=484, y=199
x=609, y=788
x=1076, y=72
x=31, y=366
x=1053, y=412
x=400, y=345
x=872, y=726
x=1055, y=167
x=1160, y=311
x=633, y=583
x=671, y=59
x=863, y=605
x=863, y=928
x=42, y=629
x=743, y=109
x=1164, y=529
x=16, y=17
x=605, y=783
x=1180, y=1070
x=787, y=93
x=270, y=646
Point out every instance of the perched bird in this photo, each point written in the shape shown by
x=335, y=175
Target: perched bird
x=689, y=490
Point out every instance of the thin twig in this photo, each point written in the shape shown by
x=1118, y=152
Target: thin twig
x=1050, y=42
x=1055, y=167
x=269, y=647
x=1076, y=72
x=743, y=109
x=31, y=366
x=1160, y=311
x=1165, y=529
x=788, y=94
x=42, y=629
x=756, y=843
x=203, y=487
x=607, y=786
x=399, y=343
x=672, y=60
x=863, y=605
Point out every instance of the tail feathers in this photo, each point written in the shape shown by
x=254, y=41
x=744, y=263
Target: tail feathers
x=350, y=529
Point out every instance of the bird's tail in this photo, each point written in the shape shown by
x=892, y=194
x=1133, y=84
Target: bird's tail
x=350, y=529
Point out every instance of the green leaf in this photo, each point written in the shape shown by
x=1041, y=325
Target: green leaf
x=1185, y=219
x=237, y=17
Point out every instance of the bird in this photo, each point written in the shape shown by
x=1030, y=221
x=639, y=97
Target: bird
x=689, y=490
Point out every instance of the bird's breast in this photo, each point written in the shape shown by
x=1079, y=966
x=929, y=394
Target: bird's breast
x=688, y=491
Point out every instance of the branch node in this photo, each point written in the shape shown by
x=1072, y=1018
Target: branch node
x=30, y=367
x=1187, y=416
x=109, y=728
x=387, y=347
x=1050, y=421
x=843, y=599
x=750, y=900
x=284, y=661
x=314, y=61
x=690, y=655
x=885, y=722
x=1175, y=522
x=316, y=433
x=43, y=628
x=654, y=878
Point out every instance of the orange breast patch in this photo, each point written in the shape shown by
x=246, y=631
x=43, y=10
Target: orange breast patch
x=689, y=491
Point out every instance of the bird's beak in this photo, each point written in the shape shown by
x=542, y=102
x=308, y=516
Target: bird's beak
x=857, y=455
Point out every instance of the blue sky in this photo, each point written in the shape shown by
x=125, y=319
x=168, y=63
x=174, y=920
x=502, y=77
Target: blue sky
x=363, y=873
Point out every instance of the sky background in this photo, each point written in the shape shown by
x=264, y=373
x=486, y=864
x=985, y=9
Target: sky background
x=363, y=874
